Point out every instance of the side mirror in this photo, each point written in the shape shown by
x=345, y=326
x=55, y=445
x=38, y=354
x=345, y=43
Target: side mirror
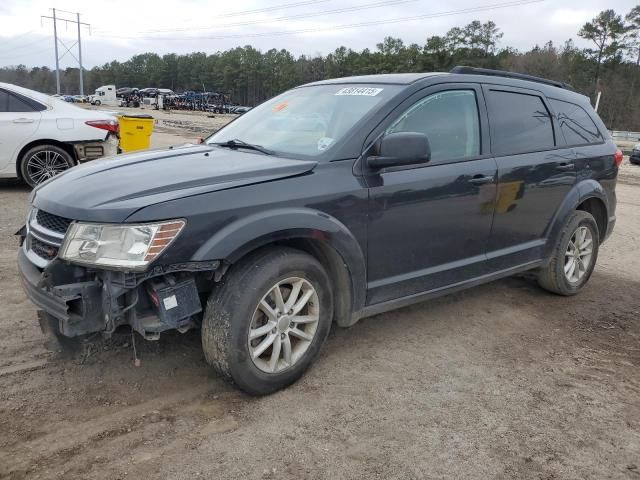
x=401, y=148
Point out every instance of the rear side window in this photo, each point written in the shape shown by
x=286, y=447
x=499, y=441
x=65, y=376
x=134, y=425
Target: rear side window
x=10, y=102
x=575, y=123
x=4, y=101
x=520, y=123
x=450, y=121
x=17, y=105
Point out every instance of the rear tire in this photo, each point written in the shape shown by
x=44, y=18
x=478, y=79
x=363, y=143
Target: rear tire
x=43, y=162
x=247, y=332
x=574, y=256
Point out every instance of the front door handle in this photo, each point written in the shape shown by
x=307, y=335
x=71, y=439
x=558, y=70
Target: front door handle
x=481, y=179
x=23, y=120
x=566, y=166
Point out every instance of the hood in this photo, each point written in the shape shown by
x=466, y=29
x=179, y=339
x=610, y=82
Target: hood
x=111, y=189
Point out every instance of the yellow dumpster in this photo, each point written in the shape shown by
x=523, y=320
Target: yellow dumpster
x=135, y=132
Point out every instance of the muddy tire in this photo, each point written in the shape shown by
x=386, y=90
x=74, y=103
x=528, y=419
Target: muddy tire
x=43, y=162
x=574, y=256
x=265, y=323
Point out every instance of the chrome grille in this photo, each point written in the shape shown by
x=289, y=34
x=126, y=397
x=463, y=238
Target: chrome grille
x=45, y=234
x=53, y=222
x=42, y=249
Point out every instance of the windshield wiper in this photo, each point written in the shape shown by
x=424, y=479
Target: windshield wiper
x=237, y=143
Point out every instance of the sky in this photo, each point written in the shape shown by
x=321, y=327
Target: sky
x=119, y=29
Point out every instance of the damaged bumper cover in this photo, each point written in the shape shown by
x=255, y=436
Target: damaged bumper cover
x=88, y=301
x=86, y=151
x=75, y=305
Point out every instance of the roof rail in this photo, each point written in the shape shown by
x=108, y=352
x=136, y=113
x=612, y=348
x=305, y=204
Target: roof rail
x=502, y=73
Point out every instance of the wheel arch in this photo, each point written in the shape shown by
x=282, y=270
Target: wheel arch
x=35, y=143
x=316, y=233
x=588, y=196
x=597, y=208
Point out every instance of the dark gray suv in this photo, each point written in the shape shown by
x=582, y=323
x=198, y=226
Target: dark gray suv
x=331, y=202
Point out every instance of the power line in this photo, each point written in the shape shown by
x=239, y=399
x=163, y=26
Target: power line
x=20, y=47
x=32, y=52
x=13, y=39
x=56, y=40
x=366, y=6
x=483, y=8
x=273, y=8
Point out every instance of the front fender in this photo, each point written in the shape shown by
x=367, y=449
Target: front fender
x=254, y=231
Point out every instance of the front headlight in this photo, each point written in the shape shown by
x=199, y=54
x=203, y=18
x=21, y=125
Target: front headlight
x=122, y=246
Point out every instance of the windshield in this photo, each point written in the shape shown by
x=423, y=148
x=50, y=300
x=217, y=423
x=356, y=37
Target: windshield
x=305, y=121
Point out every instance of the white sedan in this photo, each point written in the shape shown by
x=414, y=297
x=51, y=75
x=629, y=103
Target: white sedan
x=41, y=136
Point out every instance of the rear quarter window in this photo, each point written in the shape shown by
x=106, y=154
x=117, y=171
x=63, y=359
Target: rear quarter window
x=575, y=123
x=520, y=123
x=14, y=102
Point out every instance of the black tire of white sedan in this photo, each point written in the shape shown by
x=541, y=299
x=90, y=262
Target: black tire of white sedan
x=267, y=320
x=44, y=162
x=574, y=256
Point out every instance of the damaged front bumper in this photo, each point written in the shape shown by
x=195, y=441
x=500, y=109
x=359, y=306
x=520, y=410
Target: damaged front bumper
x=85, y=300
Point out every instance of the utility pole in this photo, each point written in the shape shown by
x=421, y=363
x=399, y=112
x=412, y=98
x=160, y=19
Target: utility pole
x=598, y=101
x=80, y=56
x=56, y=40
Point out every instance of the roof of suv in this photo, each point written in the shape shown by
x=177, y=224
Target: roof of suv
x=466, y=74
x=387, y=78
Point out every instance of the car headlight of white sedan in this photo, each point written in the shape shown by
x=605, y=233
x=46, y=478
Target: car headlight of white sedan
x=120, y=246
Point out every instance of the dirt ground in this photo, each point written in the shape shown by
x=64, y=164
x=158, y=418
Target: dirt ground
x=178, y=122
x=500, y=381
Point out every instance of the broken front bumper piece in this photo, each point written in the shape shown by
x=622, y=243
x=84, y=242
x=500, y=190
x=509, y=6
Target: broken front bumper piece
x=88, y=301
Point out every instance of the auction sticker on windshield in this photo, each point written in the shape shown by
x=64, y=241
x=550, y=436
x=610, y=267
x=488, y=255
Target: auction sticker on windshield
x=364, y=91
x=281, y=106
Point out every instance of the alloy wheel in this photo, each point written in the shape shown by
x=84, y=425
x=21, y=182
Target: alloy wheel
x=283, y=325
x=577, y=259
x=45, y=164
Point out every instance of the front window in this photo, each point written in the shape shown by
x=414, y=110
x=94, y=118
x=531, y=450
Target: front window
x=306, y=121
x=450, y=121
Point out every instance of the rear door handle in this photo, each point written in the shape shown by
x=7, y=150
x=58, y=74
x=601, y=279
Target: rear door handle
x=481, y=179
x=23, y=120
x=566, y=166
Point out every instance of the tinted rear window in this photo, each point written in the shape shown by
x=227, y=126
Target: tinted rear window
x=575, y=123
x=13, y=102
x=520, y=123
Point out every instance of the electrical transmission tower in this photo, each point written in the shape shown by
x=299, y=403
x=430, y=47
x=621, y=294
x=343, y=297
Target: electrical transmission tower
x=67, y=49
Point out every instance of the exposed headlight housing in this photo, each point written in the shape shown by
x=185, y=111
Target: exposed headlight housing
x=119, y=246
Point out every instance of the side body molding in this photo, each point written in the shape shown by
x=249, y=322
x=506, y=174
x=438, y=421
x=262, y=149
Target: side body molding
x=253, y=231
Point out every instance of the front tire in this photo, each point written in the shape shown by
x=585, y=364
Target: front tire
x=574, y=256
x=267, y=320
x=44, y=162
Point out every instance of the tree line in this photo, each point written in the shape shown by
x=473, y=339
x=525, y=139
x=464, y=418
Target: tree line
x=611, y=65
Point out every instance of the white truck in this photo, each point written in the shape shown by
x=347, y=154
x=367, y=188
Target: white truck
x=105, y=95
